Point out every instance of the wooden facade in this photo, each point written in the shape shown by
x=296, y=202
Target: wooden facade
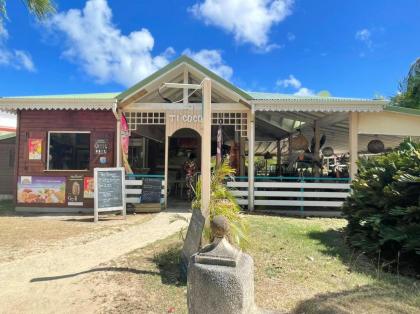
x=7, y=161
x=36, y=124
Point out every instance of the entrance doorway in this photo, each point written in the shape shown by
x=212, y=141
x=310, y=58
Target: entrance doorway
x=184, y=166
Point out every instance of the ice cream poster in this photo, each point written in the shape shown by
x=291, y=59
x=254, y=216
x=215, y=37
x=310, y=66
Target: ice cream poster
x=88, y=187
x=75, y=187
x=41, y=190
x=35, y=148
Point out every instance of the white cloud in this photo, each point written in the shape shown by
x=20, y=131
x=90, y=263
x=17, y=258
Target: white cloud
x=211, y=59
x=291, y=36
x=250, y=21
x=7, y=120
x=291, y=81
x=303, y=91
x=17, y=59
x=364, y=35
x=103, y=52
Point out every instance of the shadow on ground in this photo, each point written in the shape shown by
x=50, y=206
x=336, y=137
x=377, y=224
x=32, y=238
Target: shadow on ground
x=168, y=263
x=100, y=269
x=366, y=299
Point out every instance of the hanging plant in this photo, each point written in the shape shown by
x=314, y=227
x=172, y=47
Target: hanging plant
x=299, y=142
x=376, y=146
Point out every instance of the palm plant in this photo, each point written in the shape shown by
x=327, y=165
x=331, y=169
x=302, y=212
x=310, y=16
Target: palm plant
x=40, y=8
x=222, y=202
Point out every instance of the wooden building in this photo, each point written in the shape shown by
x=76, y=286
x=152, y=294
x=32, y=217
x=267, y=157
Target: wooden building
x=62, y=138
x=7, y=162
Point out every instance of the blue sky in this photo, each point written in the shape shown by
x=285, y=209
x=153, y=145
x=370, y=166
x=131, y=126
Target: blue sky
x=350, y=48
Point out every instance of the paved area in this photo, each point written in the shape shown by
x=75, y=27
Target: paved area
x=31, y=285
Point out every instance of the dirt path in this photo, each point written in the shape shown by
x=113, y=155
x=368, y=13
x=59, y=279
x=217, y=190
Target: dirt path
x=48, y=282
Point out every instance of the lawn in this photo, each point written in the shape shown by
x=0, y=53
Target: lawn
x=301, y=266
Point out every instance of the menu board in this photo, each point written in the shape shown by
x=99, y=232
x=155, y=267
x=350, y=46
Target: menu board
x=151, y=190
x=109, y=190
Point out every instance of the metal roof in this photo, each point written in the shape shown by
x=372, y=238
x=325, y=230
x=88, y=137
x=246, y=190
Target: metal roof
x=278, y=96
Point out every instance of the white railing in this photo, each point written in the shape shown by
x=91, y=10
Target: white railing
x=133, y=189
x=269, y=192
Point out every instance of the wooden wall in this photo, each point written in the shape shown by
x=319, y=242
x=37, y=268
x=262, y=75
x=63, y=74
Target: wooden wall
x=37, y=123
x=7, y=161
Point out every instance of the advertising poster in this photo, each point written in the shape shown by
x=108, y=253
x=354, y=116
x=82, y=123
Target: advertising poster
x=75, y=187
x=35, y=148
x=125, y=139
x=88, y=187
x=41, y=190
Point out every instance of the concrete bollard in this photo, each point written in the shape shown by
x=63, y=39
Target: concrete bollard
x=220, y=277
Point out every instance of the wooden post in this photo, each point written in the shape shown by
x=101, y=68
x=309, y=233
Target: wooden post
x=206, y=148
x=353, y=143
x=119, y=147
x=278, y=157
x=185, y=90
x=166, y=183
x=251, y=148
x=241, y=155
x=317, y=137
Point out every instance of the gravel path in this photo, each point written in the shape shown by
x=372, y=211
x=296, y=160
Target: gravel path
x=48, y=282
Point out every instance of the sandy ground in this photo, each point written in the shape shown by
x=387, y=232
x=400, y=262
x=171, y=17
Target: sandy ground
x=50, y=282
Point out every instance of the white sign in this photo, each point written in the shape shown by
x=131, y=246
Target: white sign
x=188, y=118
x=109, y=190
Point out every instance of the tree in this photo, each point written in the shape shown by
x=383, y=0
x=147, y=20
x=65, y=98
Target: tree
x=40, y=8
x=409, y=95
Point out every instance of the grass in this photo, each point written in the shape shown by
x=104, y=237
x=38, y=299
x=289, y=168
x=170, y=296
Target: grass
x=301, y=266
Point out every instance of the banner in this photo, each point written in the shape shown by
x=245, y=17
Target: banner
x=125, y=139
x=88, y=187
x=75, y=185
x=41, y=190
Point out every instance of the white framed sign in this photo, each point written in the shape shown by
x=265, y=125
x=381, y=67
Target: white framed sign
x=109, y=190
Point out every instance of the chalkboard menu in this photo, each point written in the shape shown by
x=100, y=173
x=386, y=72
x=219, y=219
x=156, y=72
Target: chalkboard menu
x=151, y=190
x=109, y=190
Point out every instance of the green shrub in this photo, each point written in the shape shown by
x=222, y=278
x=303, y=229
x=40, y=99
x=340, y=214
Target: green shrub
x=383, y=211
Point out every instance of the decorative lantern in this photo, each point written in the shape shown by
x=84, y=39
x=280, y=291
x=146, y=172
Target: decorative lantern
x=376, y=146
x=299, y=142
x=328, y=151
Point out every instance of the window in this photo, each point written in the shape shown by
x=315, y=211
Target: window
x=68, y=150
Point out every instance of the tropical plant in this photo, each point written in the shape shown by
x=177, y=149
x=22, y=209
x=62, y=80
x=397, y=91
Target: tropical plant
x=223, y=203
x=409, y=95
x=383, y=211
x=40, y=8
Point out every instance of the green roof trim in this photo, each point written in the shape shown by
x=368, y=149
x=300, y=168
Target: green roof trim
x=403, y=110
x=278, y=96
x=170, y=66
x=71, y=96
x=7, y=136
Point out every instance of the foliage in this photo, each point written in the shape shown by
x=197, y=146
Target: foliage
x=222, y=202
x=409, y=95
x=40, y=8
x=384, y=209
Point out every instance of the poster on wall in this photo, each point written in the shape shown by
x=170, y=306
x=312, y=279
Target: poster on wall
x=88, y=187
x=75, y=187
x=41, y=190
x=35, y=148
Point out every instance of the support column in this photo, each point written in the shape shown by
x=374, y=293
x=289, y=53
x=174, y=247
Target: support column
x=317, y=137
x=241, y=155
x=166, y=186
x=206, y=148
x=278, y=157
x=251, y=151
x=119, y=147
x=353, y=143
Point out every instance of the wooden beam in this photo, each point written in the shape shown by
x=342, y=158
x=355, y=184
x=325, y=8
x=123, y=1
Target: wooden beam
x=251, y=152
x=353, y=142
x=206, y=148
x=133, y=98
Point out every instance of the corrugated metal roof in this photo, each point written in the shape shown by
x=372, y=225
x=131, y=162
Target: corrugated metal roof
x=7, y=136
x=403, y=110
x=278, y=96
x=71, y=96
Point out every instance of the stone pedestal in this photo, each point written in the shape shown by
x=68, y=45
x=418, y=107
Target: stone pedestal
x=220, y=277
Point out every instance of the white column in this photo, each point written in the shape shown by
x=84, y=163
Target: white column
x=206, y=148
x=166, y=183
x=317, y=137
x=353, y=142
x=251, y=148
x=118, y=149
